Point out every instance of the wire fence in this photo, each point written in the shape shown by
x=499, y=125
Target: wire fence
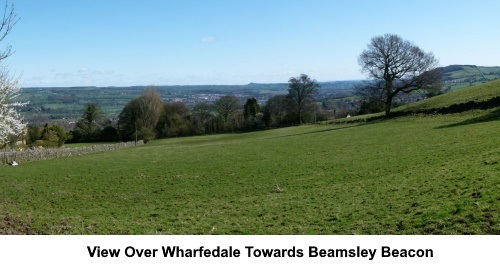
x=36, y=154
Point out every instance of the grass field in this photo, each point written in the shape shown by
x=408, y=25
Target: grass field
x=411, y=175
x=436, y=174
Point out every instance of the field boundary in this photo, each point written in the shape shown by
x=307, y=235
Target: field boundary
x=30, y=155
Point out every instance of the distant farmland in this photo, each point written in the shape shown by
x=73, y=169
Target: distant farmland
x=64, y=105
x=460, y=76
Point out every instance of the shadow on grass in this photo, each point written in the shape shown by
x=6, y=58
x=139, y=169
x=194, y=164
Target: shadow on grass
x=320, y=131
x=492, y=116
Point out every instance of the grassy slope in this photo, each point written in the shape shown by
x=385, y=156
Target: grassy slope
x=410, y=175
x=478, y=93
x=461, y=76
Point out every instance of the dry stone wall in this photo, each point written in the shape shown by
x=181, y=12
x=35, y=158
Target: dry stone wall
x=28, y=155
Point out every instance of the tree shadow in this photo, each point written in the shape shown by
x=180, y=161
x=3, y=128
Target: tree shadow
x=320, y=131
x=492, y=116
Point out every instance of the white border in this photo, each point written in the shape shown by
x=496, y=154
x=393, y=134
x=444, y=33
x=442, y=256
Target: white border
x=73, y=249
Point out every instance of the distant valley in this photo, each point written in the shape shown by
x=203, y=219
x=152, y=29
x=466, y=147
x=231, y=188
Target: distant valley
x=63, y=105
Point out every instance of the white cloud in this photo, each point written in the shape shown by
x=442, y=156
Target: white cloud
x=208, y=39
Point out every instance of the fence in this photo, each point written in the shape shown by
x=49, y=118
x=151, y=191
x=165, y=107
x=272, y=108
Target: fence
x=48, y=153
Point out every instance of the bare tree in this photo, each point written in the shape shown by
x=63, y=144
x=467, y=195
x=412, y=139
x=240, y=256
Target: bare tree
x=9, y=19
x=227, y=106
x=301, y=91
x=397, y=65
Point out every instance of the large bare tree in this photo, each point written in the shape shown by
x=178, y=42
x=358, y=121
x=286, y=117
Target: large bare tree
x=397, y=65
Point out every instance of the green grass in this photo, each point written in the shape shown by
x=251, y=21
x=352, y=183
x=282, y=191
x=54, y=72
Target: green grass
x=410, y=175
x=436, y=174
x=478, y=93
x=458, y=77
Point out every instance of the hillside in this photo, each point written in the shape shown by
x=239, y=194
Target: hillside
x=418, y=174
x=478, y=93
x=457, y=77
x=481, y=96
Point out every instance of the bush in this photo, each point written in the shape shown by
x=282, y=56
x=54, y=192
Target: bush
x=54, y=135
x=146, y=134
x=109, y=134
x=433, y=93
x=372, y=106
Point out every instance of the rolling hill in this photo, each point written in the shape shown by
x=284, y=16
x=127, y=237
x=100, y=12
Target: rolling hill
x=481, y=96
x=457, y=77
x=478, y=93
x=415, y=174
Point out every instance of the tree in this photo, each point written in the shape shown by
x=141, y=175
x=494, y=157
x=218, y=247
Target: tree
x=397, y=65
x=139, y=118
x=128, y=120
x=251, y=108
x=109, y=134
x=251, y=114
x=10, y=121
x=89, y=127
x=9, y=19
x=175, y=120
x=202, y=118
x=276, y=109
x=227, y=106
x=54, y=135
x=33, y=134
x=301, y=91
x=151, y=108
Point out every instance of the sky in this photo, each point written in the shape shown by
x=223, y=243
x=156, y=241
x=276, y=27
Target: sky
x=218, y=42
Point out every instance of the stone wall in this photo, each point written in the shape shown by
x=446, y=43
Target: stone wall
x=28, y=155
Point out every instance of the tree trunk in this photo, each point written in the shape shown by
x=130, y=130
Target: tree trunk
x=388, y=106
x=390, y=95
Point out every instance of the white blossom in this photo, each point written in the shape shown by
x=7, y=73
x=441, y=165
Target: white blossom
x=11, y=122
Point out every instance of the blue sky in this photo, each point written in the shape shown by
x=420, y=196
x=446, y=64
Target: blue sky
x=167, y=42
